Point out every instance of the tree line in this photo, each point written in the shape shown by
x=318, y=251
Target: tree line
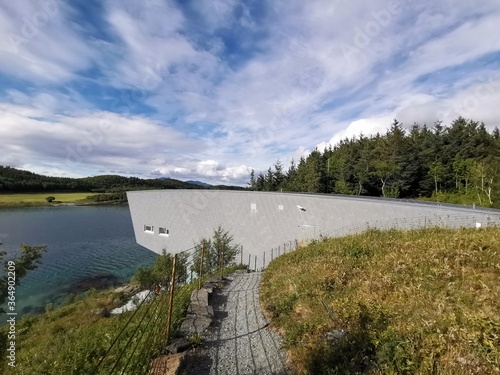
x=19, y=181
x=457, y=164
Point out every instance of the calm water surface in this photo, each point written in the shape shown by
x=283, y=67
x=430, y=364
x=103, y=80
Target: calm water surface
x=82, y=242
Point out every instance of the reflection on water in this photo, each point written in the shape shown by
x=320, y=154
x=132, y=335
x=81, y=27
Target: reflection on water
x=86, y=246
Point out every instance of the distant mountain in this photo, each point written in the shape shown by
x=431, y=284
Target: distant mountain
x=199, y=183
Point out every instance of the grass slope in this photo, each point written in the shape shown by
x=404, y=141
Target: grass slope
x=395, y=302
x=72, y=339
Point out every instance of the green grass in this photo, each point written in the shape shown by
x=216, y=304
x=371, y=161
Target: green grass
x=39, y=198
x=72, y=339
x=411, y=302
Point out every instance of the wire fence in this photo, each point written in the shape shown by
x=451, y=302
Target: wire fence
x=479, y=220
x=146, y=331
x=446, y=221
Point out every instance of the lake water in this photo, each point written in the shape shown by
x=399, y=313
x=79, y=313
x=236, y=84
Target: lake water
x=84, y=244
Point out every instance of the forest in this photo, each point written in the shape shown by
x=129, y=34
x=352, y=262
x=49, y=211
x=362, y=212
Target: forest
x=19, y=181
x=13, y=180
x=459, y=164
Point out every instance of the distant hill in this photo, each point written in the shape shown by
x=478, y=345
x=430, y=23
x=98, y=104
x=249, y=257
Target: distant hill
x=14, y=180
x=199, y=183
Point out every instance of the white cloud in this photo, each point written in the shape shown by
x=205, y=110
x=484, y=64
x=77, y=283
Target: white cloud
x=212, y=168
x=464, y=44
x=61, y=145
x=222, y=109
x=38, y=42
x=367, y=127
x=99, y=139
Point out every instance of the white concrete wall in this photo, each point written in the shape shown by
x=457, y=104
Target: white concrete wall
x=262, y=220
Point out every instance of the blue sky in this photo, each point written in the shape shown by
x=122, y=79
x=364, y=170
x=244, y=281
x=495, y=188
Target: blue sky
x=209, y=90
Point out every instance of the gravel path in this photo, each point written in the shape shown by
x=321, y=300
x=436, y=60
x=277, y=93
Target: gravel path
x=239, y=341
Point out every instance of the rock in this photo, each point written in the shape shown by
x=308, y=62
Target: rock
x=200, y=297
x=101, y=311
x=195, y=324
x=214, y=279
x=127, y=289
x=336, y=336
x=195, y=309
x=179, y=345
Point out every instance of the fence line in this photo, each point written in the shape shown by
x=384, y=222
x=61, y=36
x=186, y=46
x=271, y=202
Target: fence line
x=479, y=220
x=149, y=326
x=145, y=332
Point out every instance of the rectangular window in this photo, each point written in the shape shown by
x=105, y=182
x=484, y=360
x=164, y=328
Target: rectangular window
x=253, y=209
x=148, y=229
x=163, y=231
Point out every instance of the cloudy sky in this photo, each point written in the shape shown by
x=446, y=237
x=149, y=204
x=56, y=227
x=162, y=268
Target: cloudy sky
x=208, y=90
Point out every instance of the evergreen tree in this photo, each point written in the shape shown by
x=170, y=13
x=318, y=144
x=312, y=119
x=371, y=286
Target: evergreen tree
x=461, y=159
x=221, y=243
x=253, y=182
x=278, y=176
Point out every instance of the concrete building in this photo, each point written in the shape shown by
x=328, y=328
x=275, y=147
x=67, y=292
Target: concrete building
x=176, y=219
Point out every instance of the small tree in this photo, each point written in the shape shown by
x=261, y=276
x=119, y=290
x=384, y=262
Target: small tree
x=161, y=271
x=437, y=170
x=221, y=242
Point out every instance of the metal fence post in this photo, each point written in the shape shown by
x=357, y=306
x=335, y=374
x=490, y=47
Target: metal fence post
x=249, y=260
x=201, y=265
x=170, y=307
x=255, y=265
x=241, y=260
x=272, y=254
x=264, y=260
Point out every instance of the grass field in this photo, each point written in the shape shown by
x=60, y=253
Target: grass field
x=394, y=302
x=39, y=198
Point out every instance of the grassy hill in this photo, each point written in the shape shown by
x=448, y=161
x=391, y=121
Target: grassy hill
x=395, y=302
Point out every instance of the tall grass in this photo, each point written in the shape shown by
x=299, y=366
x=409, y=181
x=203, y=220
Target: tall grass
x=393, y=302
x=74, y=339
x=81, y=338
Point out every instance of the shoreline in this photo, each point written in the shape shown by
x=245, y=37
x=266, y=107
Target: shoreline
x=41, y=204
